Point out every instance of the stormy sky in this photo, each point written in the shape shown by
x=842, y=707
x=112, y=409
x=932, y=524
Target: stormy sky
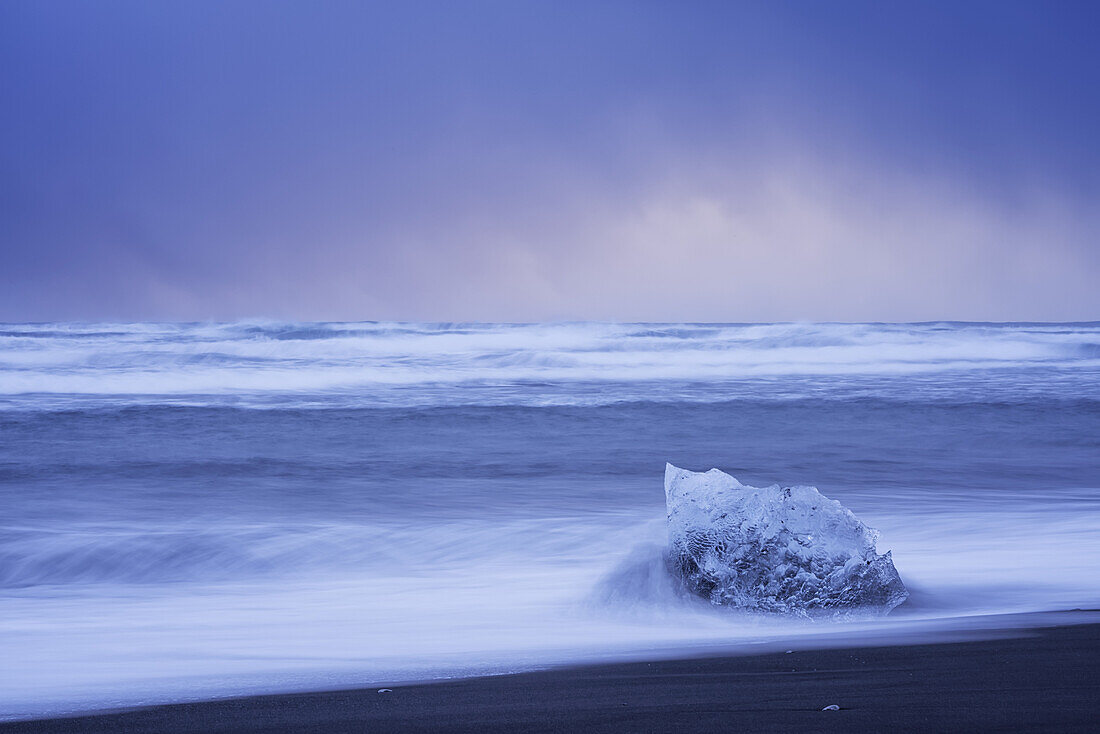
x=518, y=161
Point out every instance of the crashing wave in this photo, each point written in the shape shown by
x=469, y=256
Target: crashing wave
x=787, y=550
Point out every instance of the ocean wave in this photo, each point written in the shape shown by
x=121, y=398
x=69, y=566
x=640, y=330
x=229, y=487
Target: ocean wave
x=370, y=363
x=76, y=555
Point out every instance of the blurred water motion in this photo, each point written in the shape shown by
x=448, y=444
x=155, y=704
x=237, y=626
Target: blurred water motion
x=195, y=509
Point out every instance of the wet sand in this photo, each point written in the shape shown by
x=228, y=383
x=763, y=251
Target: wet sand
x=1037, y=680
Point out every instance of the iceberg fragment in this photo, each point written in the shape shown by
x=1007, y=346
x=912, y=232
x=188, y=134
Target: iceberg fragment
x=787, y=550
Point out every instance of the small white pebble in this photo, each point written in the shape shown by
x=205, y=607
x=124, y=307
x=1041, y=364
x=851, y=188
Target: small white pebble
x=385, y=690
x=831, y=707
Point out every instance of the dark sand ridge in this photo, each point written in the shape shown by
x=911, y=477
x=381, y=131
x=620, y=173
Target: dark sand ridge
x=1036, y=680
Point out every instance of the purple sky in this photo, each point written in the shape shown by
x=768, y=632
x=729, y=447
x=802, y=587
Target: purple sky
x=516, y=161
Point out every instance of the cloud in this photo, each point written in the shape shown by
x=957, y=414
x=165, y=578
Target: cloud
x=725, y=162
x=780, y=237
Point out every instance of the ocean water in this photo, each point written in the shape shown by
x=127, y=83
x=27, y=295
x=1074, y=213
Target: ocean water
x=200, y=510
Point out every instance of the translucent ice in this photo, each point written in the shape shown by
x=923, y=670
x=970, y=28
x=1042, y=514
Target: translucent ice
x=788, y=550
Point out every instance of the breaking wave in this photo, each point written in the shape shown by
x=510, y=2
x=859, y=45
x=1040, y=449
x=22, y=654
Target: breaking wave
x=263, y=364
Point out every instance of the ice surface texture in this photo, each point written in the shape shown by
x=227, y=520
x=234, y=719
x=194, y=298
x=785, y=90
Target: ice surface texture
x=787, y=550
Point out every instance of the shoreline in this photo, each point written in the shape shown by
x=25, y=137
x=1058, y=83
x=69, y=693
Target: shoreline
x=1018, y=678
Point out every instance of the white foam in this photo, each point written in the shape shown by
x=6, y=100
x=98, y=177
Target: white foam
x=255, y=358
x=355, y=604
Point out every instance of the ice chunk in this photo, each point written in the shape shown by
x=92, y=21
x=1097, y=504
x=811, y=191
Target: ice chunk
x=788, y=550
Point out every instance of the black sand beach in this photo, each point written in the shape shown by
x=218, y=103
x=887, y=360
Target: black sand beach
x=1040, y=680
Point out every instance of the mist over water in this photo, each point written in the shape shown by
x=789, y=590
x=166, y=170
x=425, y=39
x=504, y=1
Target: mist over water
x=207, y=509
